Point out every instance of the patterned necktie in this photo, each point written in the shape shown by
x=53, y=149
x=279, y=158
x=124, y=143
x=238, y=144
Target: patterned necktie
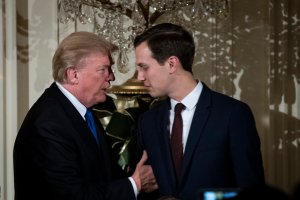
x=176, y=139
x=91, y=124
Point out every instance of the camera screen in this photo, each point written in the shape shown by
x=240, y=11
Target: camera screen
x=217, y=194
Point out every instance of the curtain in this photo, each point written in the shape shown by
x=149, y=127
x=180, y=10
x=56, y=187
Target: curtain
x=254, y=55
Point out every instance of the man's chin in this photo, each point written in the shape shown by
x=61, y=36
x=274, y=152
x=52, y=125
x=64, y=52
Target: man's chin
x=101, y=99
x=153, y=94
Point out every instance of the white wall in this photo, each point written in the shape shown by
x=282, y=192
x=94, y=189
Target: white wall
x=43, y=40
x=1, y=106
x=8, y=90
x=35, y=72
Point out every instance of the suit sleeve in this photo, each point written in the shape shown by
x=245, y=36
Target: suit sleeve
x=139, y=135
x=245, y=147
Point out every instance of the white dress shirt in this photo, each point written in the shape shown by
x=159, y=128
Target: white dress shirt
x=190, y=102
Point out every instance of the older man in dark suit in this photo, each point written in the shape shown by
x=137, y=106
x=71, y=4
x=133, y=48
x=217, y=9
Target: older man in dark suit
x=60, y=151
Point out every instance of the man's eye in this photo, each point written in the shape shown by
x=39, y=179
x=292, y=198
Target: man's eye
x=102, y=70
x=145, y=68
x=105, y=70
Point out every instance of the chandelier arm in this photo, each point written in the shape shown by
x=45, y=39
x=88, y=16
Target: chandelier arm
x=145, y=11
x=108, y=6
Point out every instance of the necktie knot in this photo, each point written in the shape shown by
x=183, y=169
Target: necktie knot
x=179, y=108
x=88, y=114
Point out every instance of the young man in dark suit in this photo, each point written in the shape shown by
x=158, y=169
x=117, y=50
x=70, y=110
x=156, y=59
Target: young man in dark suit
x=212, y=142
x=56, y=154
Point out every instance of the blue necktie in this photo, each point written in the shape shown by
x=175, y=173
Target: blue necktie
x=91, y=123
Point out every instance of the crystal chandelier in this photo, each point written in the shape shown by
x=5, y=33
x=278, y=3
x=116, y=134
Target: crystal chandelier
x=119, y=21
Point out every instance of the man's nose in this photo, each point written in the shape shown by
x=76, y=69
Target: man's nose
x=140, y=76
x=111, y=76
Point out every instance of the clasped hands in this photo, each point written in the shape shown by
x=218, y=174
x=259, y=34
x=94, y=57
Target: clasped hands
x=143, y=175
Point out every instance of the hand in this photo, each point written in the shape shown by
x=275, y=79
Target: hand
x=143, y=176
x=148, y=179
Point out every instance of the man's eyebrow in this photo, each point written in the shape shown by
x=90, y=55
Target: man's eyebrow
x=107, y=66
x=141, y=64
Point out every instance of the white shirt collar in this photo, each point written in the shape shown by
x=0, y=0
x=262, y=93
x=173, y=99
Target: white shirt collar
x=190, y=101
x=79, y=106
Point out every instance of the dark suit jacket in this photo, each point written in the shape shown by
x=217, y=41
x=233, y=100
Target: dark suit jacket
x=222, y=150
x=56, y=156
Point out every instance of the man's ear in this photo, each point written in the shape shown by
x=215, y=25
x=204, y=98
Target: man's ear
x=173, y=62
x=72, y=75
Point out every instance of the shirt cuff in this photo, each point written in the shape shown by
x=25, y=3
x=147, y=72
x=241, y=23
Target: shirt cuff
x=136, y=192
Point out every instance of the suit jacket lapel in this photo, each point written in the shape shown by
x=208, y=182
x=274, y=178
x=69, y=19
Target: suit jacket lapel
x=104, y=151
x=83, y=130
x=164, y=140
x=198, y=123
x=76, y=119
